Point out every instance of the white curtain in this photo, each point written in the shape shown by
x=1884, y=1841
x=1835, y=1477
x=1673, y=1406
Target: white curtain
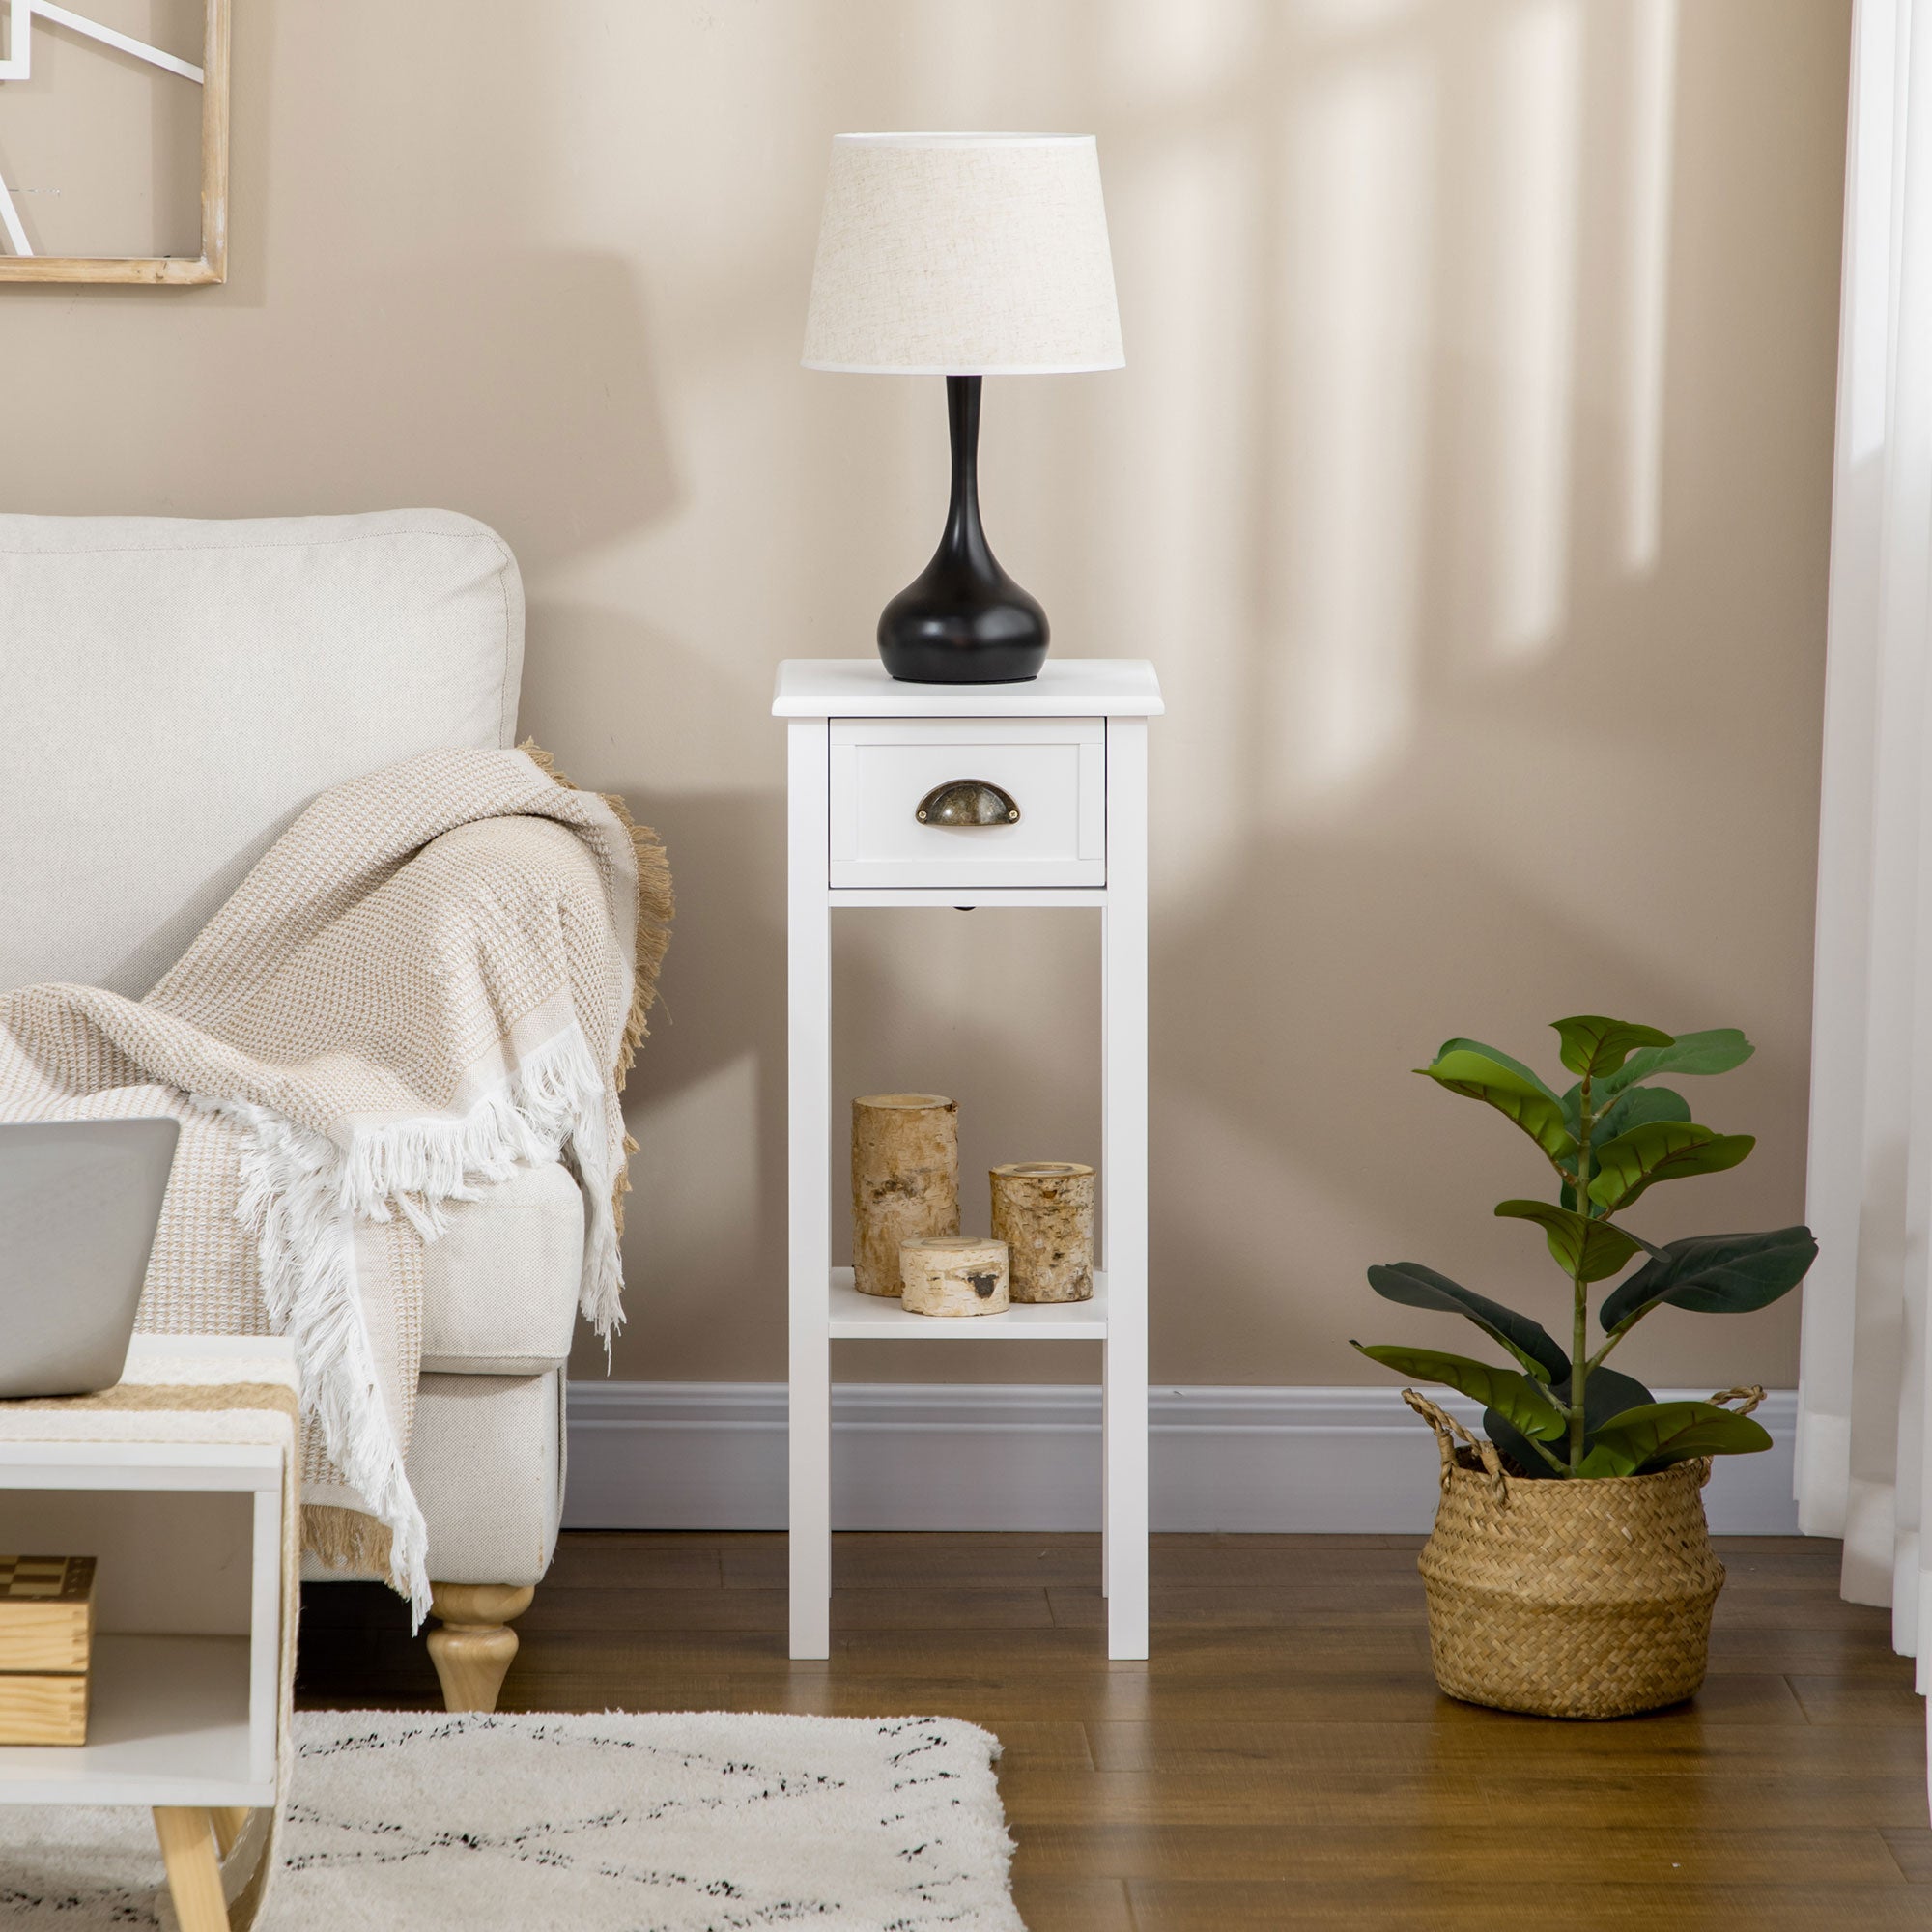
x=1862, y=1443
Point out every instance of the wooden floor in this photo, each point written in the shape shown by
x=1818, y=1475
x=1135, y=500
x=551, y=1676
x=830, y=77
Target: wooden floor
x=1285, y=1758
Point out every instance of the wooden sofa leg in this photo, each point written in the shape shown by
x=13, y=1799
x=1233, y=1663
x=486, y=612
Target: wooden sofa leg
x=472, y=1650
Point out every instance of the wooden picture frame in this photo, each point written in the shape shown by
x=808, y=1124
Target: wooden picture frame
x=18, y=264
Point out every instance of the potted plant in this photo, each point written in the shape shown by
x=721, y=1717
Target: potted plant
x=1571, y=1572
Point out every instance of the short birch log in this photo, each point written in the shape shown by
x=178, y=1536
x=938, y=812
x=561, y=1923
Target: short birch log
x=905, y=1180
x=953, y=1274
x=1044, y=1210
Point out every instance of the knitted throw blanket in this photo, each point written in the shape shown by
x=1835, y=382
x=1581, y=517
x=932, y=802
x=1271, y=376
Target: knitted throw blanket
x=438, y=971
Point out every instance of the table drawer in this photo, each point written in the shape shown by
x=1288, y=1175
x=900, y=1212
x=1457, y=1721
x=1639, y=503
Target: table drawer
x=1054, y=770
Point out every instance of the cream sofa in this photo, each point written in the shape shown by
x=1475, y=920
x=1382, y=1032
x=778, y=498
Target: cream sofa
x=172, y=694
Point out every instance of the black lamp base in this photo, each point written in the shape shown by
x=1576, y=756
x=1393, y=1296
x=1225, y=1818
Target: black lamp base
x=963, y=620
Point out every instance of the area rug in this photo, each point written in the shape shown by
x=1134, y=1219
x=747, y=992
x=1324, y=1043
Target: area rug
x=680, y=1822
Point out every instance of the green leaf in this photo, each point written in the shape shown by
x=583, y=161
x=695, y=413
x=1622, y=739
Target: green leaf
x=1528, y=1075
x=1596, y=1047
x=1506, y=1390
x=1715, y=1274
x=1716, y=1050
x=1595, y=1249
x=1657, y=1433
x=1634, y=1107
x=1605, y=1394
x=1482, y=1074
x=1418, y=1286
x=1660, y=1151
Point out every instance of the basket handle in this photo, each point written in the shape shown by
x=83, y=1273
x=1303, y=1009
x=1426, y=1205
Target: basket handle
x=1448, y=1431
x=1747, y=1398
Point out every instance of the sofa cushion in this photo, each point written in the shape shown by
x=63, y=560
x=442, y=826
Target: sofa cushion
x=175, y=691
x=501, y=1287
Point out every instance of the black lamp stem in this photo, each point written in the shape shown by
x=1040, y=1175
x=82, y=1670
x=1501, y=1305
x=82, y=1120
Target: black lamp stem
x=963, y=620
x=965, y=535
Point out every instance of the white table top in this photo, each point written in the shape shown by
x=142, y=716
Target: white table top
x=59, y=1445
x=1065, y=688
x=145, y=1347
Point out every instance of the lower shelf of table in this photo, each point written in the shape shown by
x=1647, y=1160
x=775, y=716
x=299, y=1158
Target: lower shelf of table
x=168, y=1724
x=877, y=1317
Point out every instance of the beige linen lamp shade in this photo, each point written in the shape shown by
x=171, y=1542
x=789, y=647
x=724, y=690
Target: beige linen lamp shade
x=963, y=254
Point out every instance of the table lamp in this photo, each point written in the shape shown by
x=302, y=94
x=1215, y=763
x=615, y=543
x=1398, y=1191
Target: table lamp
x=963, y=256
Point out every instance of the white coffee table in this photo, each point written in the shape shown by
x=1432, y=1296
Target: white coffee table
x=189, y=1624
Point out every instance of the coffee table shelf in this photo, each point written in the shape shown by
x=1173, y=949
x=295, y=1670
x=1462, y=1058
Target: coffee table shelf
x=168, y=1725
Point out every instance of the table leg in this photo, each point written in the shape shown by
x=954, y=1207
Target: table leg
x=1106, y=1469
x=195, y=1878
x=810, y=1131
x=1124, y=1188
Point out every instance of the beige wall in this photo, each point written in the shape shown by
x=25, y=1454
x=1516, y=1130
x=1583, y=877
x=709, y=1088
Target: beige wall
x=1468, y=484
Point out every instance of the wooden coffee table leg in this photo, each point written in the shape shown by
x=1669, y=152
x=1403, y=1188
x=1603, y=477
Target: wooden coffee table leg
x=187, y=1844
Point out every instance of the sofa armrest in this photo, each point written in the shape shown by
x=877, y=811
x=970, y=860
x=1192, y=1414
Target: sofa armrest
x=501, y=1287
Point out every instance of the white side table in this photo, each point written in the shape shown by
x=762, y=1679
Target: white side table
x=1070, y=749
x=188, y=1649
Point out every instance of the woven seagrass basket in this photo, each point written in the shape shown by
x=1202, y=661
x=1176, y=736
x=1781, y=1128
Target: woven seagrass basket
x=1566, y=1599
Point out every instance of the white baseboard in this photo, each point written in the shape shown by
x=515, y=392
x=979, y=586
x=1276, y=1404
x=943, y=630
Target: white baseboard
x=1018, y=1457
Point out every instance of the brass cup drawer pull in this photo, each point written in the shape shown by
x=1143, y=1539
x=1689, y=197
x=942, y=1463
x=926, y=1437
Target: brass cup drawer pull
x=968, y=802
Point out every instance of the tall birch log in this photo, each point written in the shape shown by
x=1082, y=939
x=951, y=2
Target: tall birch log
x=905, y=1180
x=953, y=1274
x=1044, y=1210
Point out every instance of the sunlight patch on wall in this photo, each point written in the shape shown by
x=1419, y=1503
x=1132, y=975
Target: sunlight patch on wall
x=1344, y=550
x=1161, y=460
x=1541, y=70
x=1153, y=51
x=1316, y=19
x=1653, y=29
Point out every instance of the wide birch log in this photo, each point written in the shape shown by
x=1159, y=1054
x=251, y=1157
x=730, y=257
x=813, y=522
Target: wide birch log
x=953, y=1274
x=905, y=1180
x=1044, y=1210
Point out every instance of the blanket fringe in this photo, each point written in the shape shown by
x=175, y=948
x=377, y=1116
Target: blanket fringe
x=554, y=1100
x=553, y=1095
x=306, y=1250
x=301, y=1195
x=657, y=905
x=346, y=1539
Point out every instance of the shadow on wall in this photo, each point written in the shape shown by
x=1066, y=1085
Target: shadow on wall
x=521, y=387
x=712, y=1077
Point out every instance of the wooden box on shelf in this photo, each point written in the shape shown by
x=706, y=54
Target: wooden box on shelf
x=46, y=1643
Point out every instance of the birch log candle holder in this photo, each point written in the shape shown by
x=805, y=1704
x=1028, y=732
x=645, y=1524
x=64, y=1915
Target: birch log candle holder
x=905, y=1180
x=953, y=1274
x=1044, y=1210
